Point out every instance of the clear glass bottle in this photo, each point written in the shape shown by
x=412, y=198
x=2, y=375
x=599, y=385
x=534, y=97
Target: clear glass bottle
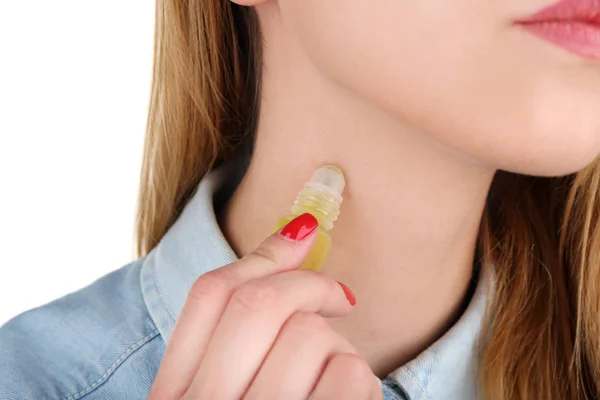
x=322, y=197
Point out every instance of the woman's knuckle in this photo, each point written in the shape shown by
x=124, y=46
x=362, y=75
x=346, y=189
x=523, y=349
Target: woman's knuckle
x=265, y=254
x=355, y=368
x=307, y=324
x=254, y=298
x=210, y=284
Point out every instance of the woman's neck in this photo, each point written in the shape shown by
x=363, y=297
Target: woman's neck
x=406, y=236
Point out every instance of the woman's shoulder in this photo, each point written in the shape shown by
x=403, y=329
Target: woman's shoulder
x=95, y=343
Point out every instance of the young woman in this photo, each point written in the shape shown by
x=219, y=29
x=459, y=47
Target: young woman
x=468, y=131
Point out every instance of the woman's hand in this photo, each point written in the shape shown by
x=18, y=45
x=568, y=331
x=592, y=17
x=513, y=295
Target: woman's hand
x=256, y=329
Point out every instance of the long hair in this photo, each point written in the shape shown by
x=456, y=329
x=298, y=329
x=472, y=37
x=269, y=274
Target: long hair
x=541, y=337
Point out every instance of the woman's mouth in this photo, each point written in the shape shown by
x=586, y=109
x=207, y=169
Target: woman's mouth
x=571, y=24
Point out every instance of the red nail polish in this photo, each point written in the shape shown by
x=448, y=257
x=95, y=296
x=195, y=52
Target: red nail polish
x=300, y=227
x=349, y=295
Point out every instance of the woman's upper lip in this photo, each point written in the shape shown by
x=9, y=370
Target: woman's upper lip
x=568, y=10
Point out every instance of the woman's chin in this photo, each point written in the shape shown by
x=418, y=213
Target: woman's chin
x=554, y=161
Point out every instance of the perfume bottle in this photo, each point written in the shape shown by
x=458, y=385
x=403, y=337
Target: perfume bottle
x=321, y=197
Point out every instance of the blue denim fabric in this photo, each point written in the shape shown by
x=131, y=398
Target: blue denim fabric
x=106, y=340
x=97, y=343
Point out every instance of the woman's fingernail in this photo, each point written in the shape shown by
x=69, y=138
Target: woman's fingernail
x=300, y=227
x=349, y=295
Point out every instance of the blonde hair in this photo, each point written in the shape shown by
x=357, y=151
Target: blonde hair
x=542, y=234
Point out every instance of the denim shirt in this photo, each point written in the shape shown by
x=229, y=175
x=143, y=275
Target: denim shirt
x=106, y=340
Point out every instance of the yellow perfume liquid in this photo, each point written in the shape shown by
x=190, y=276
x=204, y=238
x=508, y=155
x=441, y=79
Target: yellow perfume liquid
x=321, y=197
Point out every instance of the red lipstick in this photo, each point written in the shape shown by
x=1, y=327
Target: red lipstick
x=571, y=24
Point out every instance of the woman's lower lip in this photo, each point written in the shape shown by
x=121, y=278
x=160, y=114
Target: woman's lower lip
x=579, y=37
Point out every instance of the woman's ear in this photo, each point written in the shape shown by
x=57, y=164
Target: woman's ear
x=248, y=2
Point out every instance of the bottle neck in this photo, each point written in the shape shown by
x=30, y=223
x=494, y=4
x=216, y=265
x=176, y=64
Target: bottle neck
x=323, y=205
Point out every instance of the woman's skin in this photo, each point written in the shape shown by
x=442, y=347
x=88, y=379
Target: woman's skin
x=419, y=102
x=244, y=324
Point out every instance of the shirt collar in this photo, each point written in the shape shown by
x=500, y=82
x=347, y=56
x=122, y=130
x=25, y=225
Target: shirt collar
x=449, y=368
x=195, y=245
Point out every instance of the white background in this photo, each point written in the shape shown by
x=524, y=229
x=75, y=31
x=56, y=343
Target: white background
x=74, y=88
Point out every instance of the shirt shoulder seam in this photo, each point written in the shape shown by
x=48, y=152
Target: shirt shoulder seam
x=113, y=367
